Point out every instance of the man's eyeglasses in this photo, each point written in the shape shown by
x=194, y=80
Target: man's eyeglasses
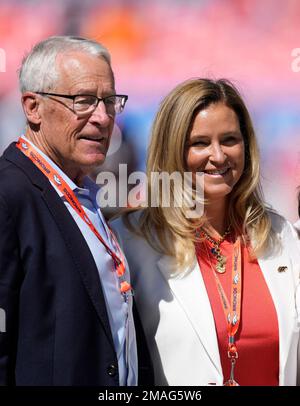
x=85, y=104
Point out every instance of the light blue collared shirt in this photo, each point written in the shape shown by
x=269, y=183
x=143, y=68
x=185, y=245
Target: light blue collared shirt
x=119, y=311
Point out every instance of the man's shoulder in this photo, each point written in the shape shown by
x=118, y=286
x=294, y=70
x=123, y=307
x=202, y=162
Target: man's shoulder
x=10, y=173
x=15, y=185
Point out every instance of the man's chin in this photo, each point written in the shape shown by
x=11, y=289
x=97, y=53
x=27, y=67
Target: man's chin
x=94, y=161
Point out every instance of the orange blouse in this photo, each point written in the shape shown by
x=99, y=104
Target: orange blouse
x=257, y=339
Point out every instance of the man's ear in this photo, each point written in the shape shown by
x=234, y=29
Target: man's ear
x=31, y=106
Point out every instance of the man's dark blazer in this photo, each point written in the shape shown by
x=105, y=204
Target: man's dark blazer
x=57, y=328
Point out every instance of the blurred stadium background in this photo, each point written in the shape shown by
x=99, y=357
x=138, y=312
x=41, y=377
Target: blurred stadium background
x=155, y=44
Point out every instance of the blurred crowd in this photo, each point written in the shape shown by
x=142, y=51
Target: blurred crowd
x=155, y=45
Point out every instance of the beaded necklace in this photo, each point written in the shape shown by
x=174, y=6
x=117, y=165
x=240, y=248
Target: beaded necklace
x=215, y=249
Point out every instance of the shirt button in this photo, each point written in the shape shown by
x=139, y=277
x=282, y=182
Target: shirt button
x=112, y=370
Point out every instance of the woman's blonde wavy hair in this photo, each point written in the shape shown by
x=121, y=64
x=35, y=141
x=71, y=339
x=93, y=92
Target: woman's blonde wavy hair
x=247, y=214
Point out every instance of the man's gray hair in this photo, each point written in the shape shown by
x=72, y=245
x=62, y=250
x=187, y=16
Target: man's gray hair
x=38, y=70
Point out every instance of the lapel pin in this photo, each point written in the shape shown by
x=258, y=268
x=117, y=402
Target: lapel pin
x=282, y=269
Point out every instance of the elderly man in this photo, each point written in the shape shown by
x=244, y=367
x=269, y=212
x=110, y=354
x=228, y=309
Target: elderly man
x=64, y=284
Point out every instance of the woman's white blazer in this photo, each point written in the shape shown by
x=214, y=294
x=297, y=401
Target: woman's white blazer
x=177, y=317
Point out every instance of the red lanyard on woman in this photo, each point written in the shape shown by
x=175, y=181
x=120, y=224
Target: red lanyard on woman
x=119, y=262
x=232, y=310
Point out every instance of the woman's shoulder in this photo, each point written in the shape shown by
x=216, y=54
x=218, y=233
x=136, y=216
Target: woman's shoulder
x=127, y=230
x=280, y=224
x=287, y=234
x=281, y=235
x=297, y=226
x=127, y=222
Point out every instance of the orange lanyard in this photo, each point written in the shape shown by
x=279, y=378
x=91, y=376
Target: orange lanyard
x=63, y=187
x=232, y=310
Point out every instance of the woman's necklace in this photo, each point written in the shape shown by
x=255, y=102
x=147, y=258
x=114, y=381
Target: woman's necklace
x=216, y=251
x=232, y=309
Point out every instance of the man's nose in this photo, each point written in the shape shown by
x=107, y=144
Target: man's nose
x=100, y=116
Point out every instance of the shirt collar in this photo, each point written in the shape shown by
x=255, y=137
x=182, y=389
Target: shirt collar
x=89, y=189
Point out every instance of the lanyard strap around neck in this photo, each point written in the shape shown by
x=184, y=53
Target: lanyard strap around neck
x=119, y=262
x=232, y=310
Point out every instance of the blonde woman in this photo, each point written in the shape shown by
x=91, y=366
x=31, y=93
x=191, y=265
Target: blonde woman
x=217, y=295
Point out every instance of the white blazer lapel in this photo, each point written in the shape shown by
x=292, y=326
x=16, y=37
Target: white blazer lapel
x=280, y=283
x=190, y=292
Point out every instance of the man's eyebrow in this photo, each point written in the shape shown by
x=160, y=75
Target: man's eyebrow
x=89, y=92
x=110, y=92
x=85, y=91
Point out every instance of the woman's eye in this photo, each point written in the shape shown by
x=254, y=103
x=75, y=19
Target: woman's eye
x=199, y=144
x=230, y=140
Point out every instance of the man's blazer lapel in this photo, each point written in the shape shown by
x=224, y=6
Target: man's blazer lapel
x=74, y=240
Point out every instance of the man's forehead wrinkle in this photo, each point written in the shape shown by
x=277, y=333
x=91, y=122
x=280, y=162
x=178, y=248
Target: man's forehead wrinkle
x=75, y=60
x=73, y=69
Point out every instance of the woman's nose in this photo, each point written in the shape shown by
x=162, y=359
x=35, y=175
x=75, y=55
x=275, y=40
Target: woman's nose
x=217, y=154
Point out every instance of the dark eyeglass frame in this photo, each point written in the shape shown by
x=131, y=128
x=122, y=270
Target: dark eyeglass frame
x=124, y=98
